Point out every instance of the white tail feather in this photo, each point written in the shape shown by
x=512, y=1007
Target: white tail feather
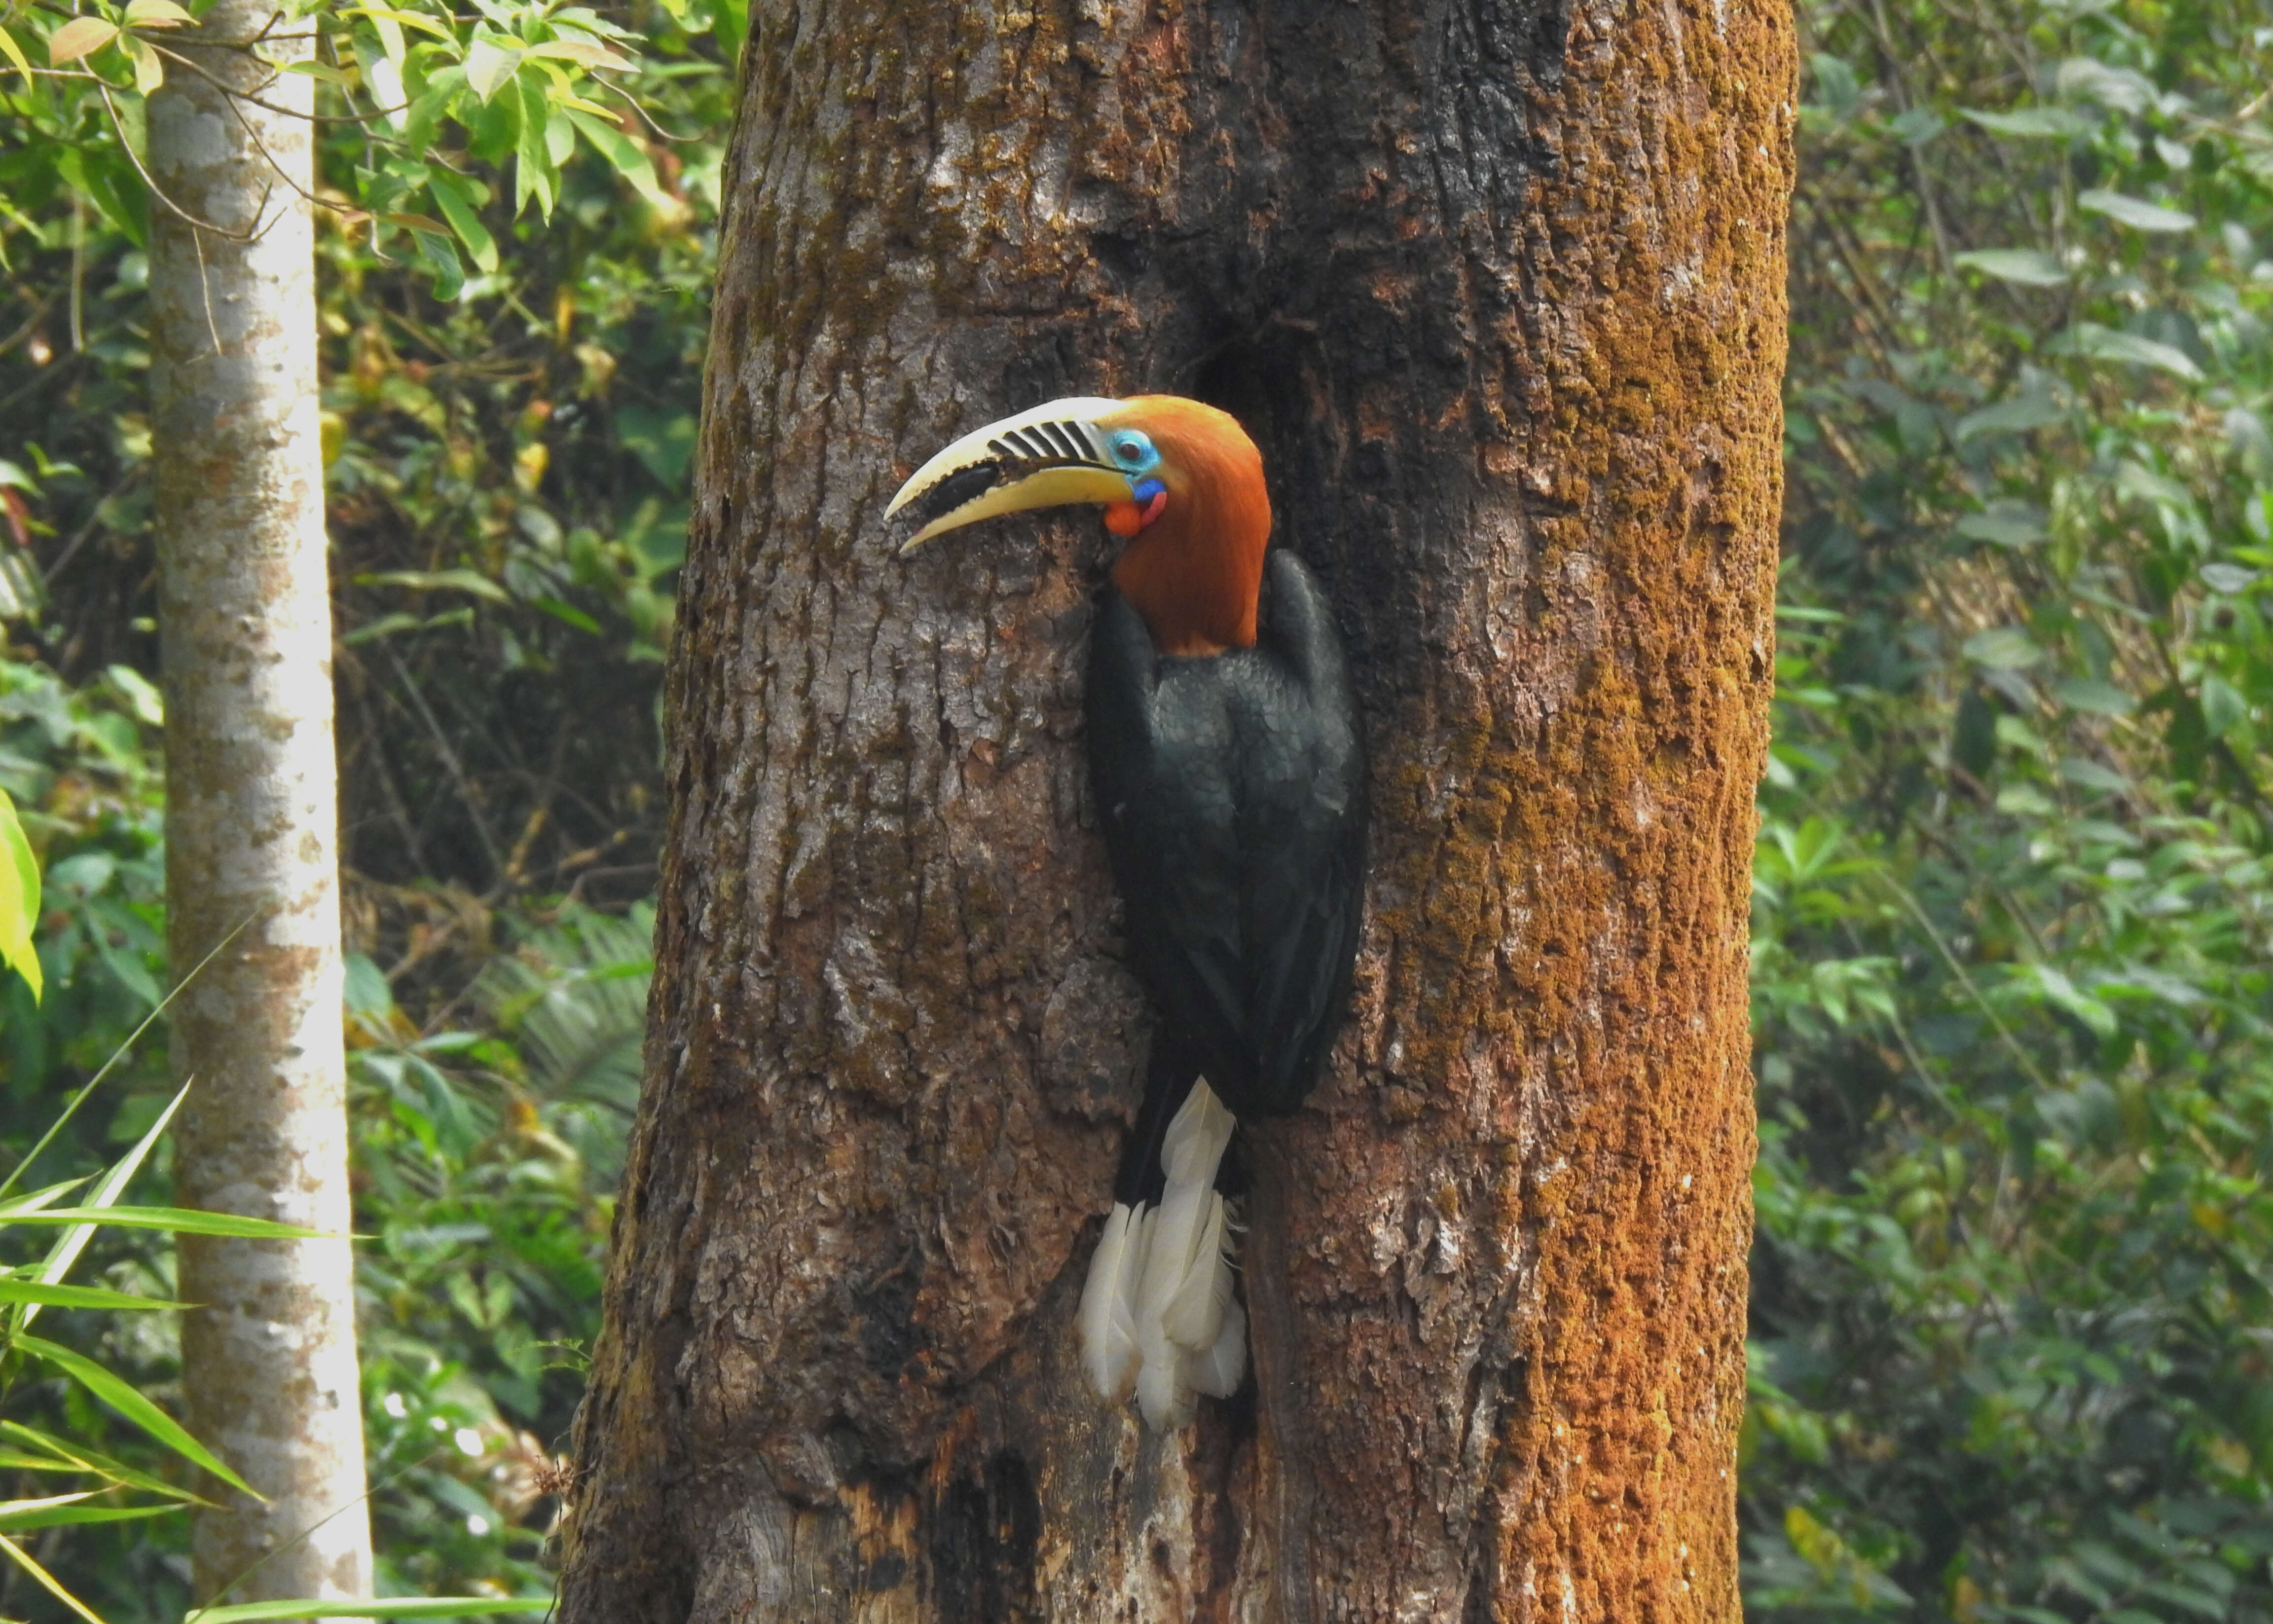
x=1217, y=1371
x=1108, y=1305
x=1183, y=1302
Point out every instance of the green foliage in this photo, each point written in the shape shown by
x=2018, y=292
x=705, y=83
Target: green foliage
x=513, y=83
x=2015, y=878
x=97, y=1490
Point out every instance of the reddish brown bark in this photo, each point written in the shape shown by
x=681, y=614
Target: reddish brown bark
x=1499, y=291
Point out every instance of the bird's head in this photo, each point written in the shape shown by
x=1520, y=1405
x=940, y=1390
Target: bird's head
x=1180, y=481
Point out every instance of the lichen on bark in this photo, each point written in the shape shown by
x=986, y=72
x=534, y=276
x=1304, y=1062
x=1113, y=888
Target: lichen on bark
x=1499, y=289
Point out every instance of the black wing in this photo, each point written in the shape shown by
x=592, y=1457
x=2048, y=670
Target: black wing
x=1232, y=791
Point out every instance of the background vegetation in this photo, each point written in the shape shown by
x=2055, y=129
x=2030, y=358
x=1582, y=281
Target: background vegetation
x=2012, y=1351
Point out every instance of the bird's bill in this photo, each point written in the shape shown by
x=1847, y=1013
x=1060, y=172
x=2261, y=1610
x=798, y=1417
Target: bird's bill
x=1052, y=456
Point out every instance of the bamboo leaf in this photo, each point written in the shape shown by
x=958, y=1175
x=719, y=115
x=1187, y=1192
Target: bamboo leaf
x=55, y=1455
x=123, y=1398
x=15, y=1289
x=379, y=1607
x=72, y=1516
x=23, y=1558
x=113, y=1184
x=182, y=1221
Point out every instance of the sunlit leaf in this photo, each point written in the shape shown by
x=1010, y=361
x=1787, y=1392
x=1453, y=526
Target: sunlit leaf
x=488, y=63
x=15, y=53
x=77, y=37
x=46, y=1581
x=583, y=53
x=149, y=68
x=19, y=898
x=156, y=14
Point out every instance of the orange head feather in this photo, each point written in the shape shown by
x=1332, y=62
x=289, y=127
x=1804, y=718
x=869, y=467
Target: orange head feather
x=1194, y=564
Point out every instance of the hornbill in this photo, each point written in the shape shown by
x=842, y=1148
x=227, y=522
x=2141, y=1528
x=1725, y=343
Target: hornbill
x=1229, y=774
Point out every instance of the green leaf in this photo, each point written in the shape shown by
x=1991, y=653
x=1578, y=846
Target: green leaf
x=2062, y=991
x=15, y=54
x=406, y=19
x=566, y=613
x=488, y=63
x=127, y=1400
x=583, y=53
x=69, y=1517
x=100, y=1200
x=382, y=1607
x=533, y=165
x=2004, y=525
x=156, y=14
x=47, y=1582
x=439, y=579
x=2032, y=123
x=2136, y=213
x=19, y=898
x=56, y=1456
x=454, y=199
x=2004, y=647
x=149, y=68
x=15, y=1289
x=182, y=1221
x=2093, y=697
x=2089, y=339
x=2223, y=709
x=2030, y=266
x=621, y=151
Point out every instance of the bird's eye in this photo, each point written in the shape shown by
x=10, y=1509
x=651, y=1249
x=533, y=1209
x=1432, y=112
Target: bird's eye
x=1133, y=449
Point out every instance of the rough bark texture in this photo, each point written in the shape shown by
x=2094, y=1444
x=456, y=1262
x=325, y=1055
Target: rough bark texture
x=1498, y=287
x=269, y=1359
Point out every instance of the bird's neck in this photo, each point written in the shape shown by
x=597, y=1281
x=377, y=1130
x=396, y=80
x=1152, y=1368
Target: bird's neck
x=1196, y=575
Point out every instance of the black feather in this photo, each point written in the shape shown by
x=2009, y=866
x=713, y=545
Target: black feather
x=1232, y=790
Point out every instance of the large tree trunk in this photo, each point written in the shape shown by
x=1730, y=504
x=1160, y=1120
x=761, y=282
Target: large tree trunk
x=1499, y=291
x=268, y=1357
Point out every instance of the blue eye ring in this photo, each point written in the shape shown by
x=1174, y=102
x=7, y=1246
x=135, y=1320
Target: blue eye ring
x=1132, y=451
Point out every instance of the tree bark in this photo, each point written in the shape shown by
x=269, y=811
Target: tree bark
x=1499, y=291
x=252, y=820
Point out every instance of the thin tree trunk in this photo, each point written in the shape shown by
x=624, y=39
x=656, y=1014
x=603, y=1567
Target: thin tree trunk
x=252, y=813
x=1499, y=291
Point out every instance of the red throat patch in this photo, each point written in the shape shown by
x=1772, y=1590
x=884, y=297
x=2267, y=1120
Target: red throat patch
x=1125, y=519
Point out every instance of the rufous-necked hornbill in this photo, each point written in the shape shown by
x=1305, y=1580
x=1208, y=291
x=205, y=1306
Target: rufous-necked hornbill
x=1230, y=777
